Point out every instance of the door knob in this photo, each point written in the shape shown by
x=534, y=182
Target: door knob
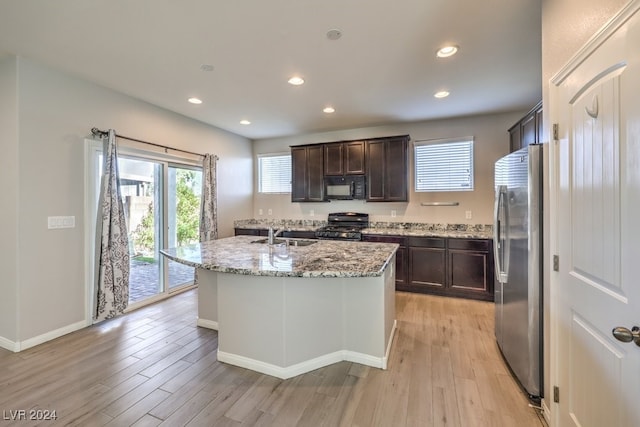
x=625, y=335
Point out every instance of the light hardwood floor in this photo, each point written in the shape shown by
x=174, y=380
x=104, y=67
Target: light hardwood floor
x=155, y=367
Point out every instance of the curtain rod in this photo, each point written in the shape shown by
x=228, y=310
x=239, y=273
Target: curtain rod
x=102, y=133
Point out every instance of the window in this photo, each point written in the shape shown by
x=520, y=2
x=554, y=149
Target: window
x=274, y=173
x=444, y=165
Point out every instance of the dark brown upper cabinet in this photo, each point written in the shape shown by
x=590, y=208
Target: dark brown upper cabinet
x=387, y=174
x=344, y=158
x=527, y=131
x=307, y=180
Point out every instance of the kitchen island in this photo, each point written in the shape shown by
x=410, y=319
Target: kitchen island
x=296, y=306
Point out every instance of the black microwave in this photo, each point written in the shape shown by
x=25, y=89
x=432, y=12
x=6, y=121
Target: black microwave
x=348, y=187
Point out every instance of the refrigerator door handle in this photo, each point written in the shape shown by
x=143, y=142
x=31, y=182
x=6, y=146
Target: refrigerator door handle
x=500, y=248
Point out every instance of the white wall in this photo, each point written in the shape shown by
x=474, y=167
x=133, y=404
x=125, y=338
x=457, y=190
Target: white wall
x=55, y=113
x=566, y=26
x=491, y=143
x=9, y=205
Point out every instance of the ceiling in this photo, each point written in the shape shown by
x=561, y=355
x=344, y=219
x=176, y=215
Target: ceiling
x=383, y=69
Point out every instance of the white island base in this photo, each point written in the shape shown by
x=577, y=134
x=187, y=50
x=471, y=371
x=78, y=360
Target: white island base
x=286, y=326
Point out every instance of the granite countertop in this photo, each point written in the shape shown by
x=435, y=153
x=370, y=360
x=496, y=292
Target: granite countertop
x=325, y=258
x=461, y=231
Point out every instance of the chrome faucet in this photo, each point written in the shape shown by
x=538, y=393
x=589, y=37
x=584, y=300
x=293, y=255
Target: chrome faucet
x=272, y=235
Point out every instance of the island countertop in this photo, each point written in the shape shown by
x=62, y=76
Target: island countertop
x=325, y=258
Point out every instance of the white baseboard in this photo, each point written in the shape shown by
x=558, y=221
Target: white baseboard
x=279, y=371
x=8, y=344
x=308, y=365
x=48, y=336
x=391, y=337
x=209, y=324
x=546, y=411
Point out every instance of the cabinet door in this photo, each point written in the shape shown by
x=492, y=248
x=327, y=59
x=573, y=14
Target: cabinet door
x=402, y=265
x=396, y=171
x=387, y=172
x=315, y=176
x=427, y=263
x=515, y=138
x=333, y=159
x=298, y=174
x=468, y=270
x=375, y=170
x=307, y=180
x=354, y=158
x=470, y=267
x=427, y=267
x=528, y=130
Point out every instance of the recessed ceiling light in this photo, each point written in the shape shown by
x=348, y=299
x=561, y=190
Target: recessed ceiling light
x=296, y=81
x=441, y=94
x=329, y=110
x=245, y=122
x=195, y=100
x=334, y=34
x=447, y=51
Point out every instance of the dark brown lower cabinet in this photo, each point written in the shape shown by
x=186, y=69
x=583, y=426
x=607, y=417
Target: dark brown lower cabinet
x=470, y=264
x=401, y=255
x=292, y=234
x=427, y=264
x=450, y=267
x=250, y=231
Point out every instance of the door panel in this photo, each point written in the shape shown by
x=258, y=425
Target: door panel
x=598, y=234
x=141, y=189
x=183, y=210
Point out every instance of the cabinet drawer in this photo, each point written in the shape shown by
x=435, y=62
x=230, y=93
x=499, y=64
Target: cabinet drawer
x=427, y=242
x=469, y=244
x=402, y=241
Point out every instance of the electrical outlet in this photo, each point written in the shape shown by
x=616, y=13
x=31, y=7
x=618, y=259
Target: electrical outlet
x=269, y=212
x=260, y=212
x=393, y=214
x=467, y=214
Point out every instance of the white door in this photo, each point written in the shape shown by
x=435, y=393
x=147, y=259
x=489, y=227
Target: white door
x=598, y=237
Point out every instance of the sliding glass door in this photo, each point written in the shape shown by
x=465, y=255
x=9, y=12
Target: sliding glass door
x=184, y=191
x=161, y=199
x=141, y=185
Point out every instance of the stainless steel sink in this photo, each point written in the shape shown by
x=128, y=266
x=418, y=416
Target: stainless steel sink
x=292, y=242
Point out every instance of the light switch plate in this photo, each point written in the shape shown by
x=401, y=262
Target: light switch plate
x=54, y=222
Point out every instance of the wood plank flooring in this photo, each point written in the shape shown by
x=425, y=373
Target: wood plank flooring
x=155, y=367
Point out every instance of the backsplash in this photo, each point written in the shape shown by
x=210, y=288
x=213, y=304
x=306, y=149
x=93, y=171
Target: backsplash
x=307, y=224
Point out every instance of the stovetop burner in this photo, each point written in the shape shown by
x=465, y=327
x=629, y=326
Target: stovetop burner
x=344, y=226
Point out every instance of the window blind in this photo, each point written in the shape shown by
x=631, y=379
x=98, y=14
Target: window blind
x=274, y=173
x=444, y=166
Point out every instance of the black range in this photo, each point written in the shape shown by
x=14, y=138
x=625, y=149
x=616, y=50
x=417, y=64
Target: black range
x=344, y=226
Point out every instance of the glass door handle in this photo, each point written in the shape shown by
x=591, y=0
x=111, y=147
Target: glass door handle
x=625, y=335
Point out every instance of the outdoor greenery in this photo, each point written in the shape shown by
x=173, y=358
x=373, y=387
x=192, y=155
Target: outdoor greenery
x=187, y=212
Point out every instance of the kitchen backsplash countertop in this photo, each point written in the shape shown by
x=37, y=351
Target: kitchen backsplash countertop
x=466, y=231
x=324, y=258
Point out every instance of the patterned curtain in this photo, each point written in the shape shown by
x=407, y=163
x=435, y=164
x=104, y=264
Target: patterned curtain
x=112, y=287
x=209, y=205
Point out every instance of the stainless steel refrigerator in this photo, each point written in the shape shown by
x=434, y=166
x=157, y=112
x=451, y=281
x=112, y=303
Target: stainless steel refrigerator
x=518, y=259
